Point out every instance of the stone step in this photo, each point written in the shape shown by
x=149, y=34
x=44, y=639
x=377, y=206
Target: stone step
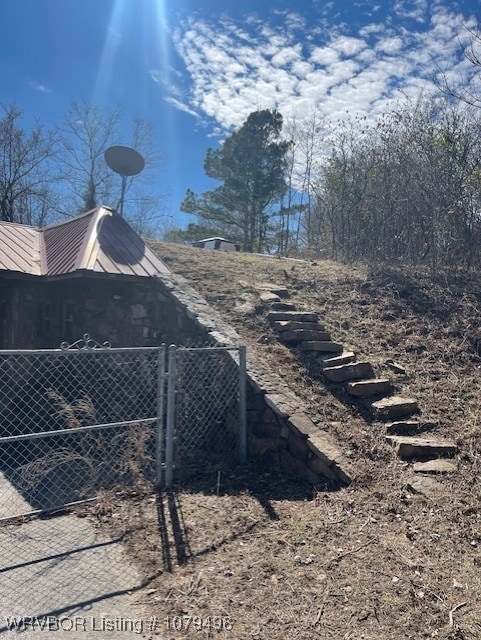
x=292, y=325
x=367, y=388
x=394, y=407
x=409, y=447
x=269, y=297
x=304, y=335
x=283, y=306
x=408, y=427
x=321, y=346
x=344, y=358
x=298, y=316
x=345, y=372
x=435, y=466
x=279, y=290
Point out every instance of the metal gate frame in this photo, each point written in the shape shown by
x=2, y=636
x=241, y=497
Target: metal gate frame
x=166, y=437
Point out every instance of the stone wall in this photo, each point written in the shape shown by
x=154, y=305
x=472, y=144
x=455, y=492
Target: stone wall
x=140, y=312
x=43, y=314
x=19, y=304
x=280, y=433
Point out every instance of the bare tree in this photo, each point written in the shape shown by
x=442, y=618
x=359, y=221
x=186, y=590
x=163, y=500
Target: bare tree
x=407, y=188
x=26, y=168
x=307, y=148
x=310, y=150
x=87, y=131
x=144, y=202
x=464, y=89
x=289, y=208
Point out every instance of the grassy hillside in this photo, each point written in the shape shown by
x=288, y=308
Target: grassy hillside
x=375, y=560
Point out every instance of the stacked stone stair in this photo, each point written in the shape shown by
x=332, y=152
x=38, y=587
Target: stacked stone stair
x=303, y=331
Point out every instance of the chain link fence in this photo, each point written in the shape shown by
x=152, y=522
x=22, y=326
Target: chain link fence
x=74, y=422
x=86, y=435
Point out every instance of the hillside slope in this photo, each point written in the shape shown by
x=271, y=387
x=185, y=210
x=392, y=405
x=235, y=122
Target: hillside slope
x=378, y=559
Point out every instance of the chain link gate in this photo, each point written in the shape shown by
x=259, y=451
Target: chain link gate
x=83, y=423
x=206, y=411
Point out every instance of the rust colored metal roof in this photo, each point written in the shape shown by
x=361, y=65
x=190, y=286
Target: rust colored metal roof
x=120, y=247
x=99, y=241
x=63, y=244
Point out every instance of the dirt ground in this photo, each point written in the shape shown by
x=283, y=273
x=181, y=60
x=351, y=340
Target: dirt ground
x=255, y=556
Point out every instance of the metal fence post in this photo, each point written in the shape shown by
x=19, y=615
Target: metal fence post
x=242, y=405
x=159, y=443
x=169, y=433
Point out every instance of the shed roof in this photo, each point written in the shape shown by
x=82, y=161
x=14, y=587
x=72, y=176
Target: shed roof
x=215, y=238
x=99, y=241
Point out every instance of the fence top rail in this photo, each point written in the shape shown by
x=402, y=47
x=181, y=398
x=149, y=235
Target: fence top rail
x=67, y=352
x=89, y=350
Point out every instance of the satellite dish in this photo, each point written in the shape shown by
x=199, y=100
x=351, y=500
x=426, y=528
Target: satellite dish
x=126, y=162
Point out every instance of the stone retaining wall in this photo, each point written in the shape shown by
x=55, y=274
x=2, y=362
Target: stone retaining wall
x=280, y=433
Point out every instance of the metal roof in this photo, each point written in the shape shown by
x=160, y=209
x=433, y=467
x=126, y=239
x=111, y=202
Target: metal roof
x=19, y=248
x=99, y=241
x=64, y=244
x=215, y=238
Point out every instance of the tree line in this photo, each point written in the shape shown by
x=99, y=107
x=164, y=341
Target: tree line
x=52, y=174
x=406, y=187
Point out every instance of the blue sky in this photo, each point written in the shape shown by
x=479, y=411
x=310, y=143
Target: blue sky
x=195, y=69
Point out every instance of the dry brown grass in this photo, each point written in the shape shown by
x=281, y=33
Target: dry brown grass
x=376, y=560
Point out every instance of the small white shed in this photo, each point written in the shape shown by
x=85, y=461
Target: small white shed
x=220, y=244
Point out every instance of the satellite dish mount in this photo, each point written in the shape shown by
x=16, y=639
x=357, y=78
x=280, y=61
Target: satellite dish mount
x=126, y=162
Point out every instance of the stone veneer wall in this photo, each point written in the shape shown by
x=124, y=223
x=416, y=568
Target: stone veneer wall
x=280, y=432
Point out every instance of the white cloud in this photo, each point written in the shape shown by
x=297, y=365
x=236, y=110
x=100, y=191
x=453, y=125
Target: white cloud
x=372, y=28
x=301, y=68
x=324, y=55
x=286, y=56
x=295, y=21
x=37, y=86
x=234, y=71
x=413, y=9
x=157, y=75
x=180, y=106
x=348, y=46
x=391, y=44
